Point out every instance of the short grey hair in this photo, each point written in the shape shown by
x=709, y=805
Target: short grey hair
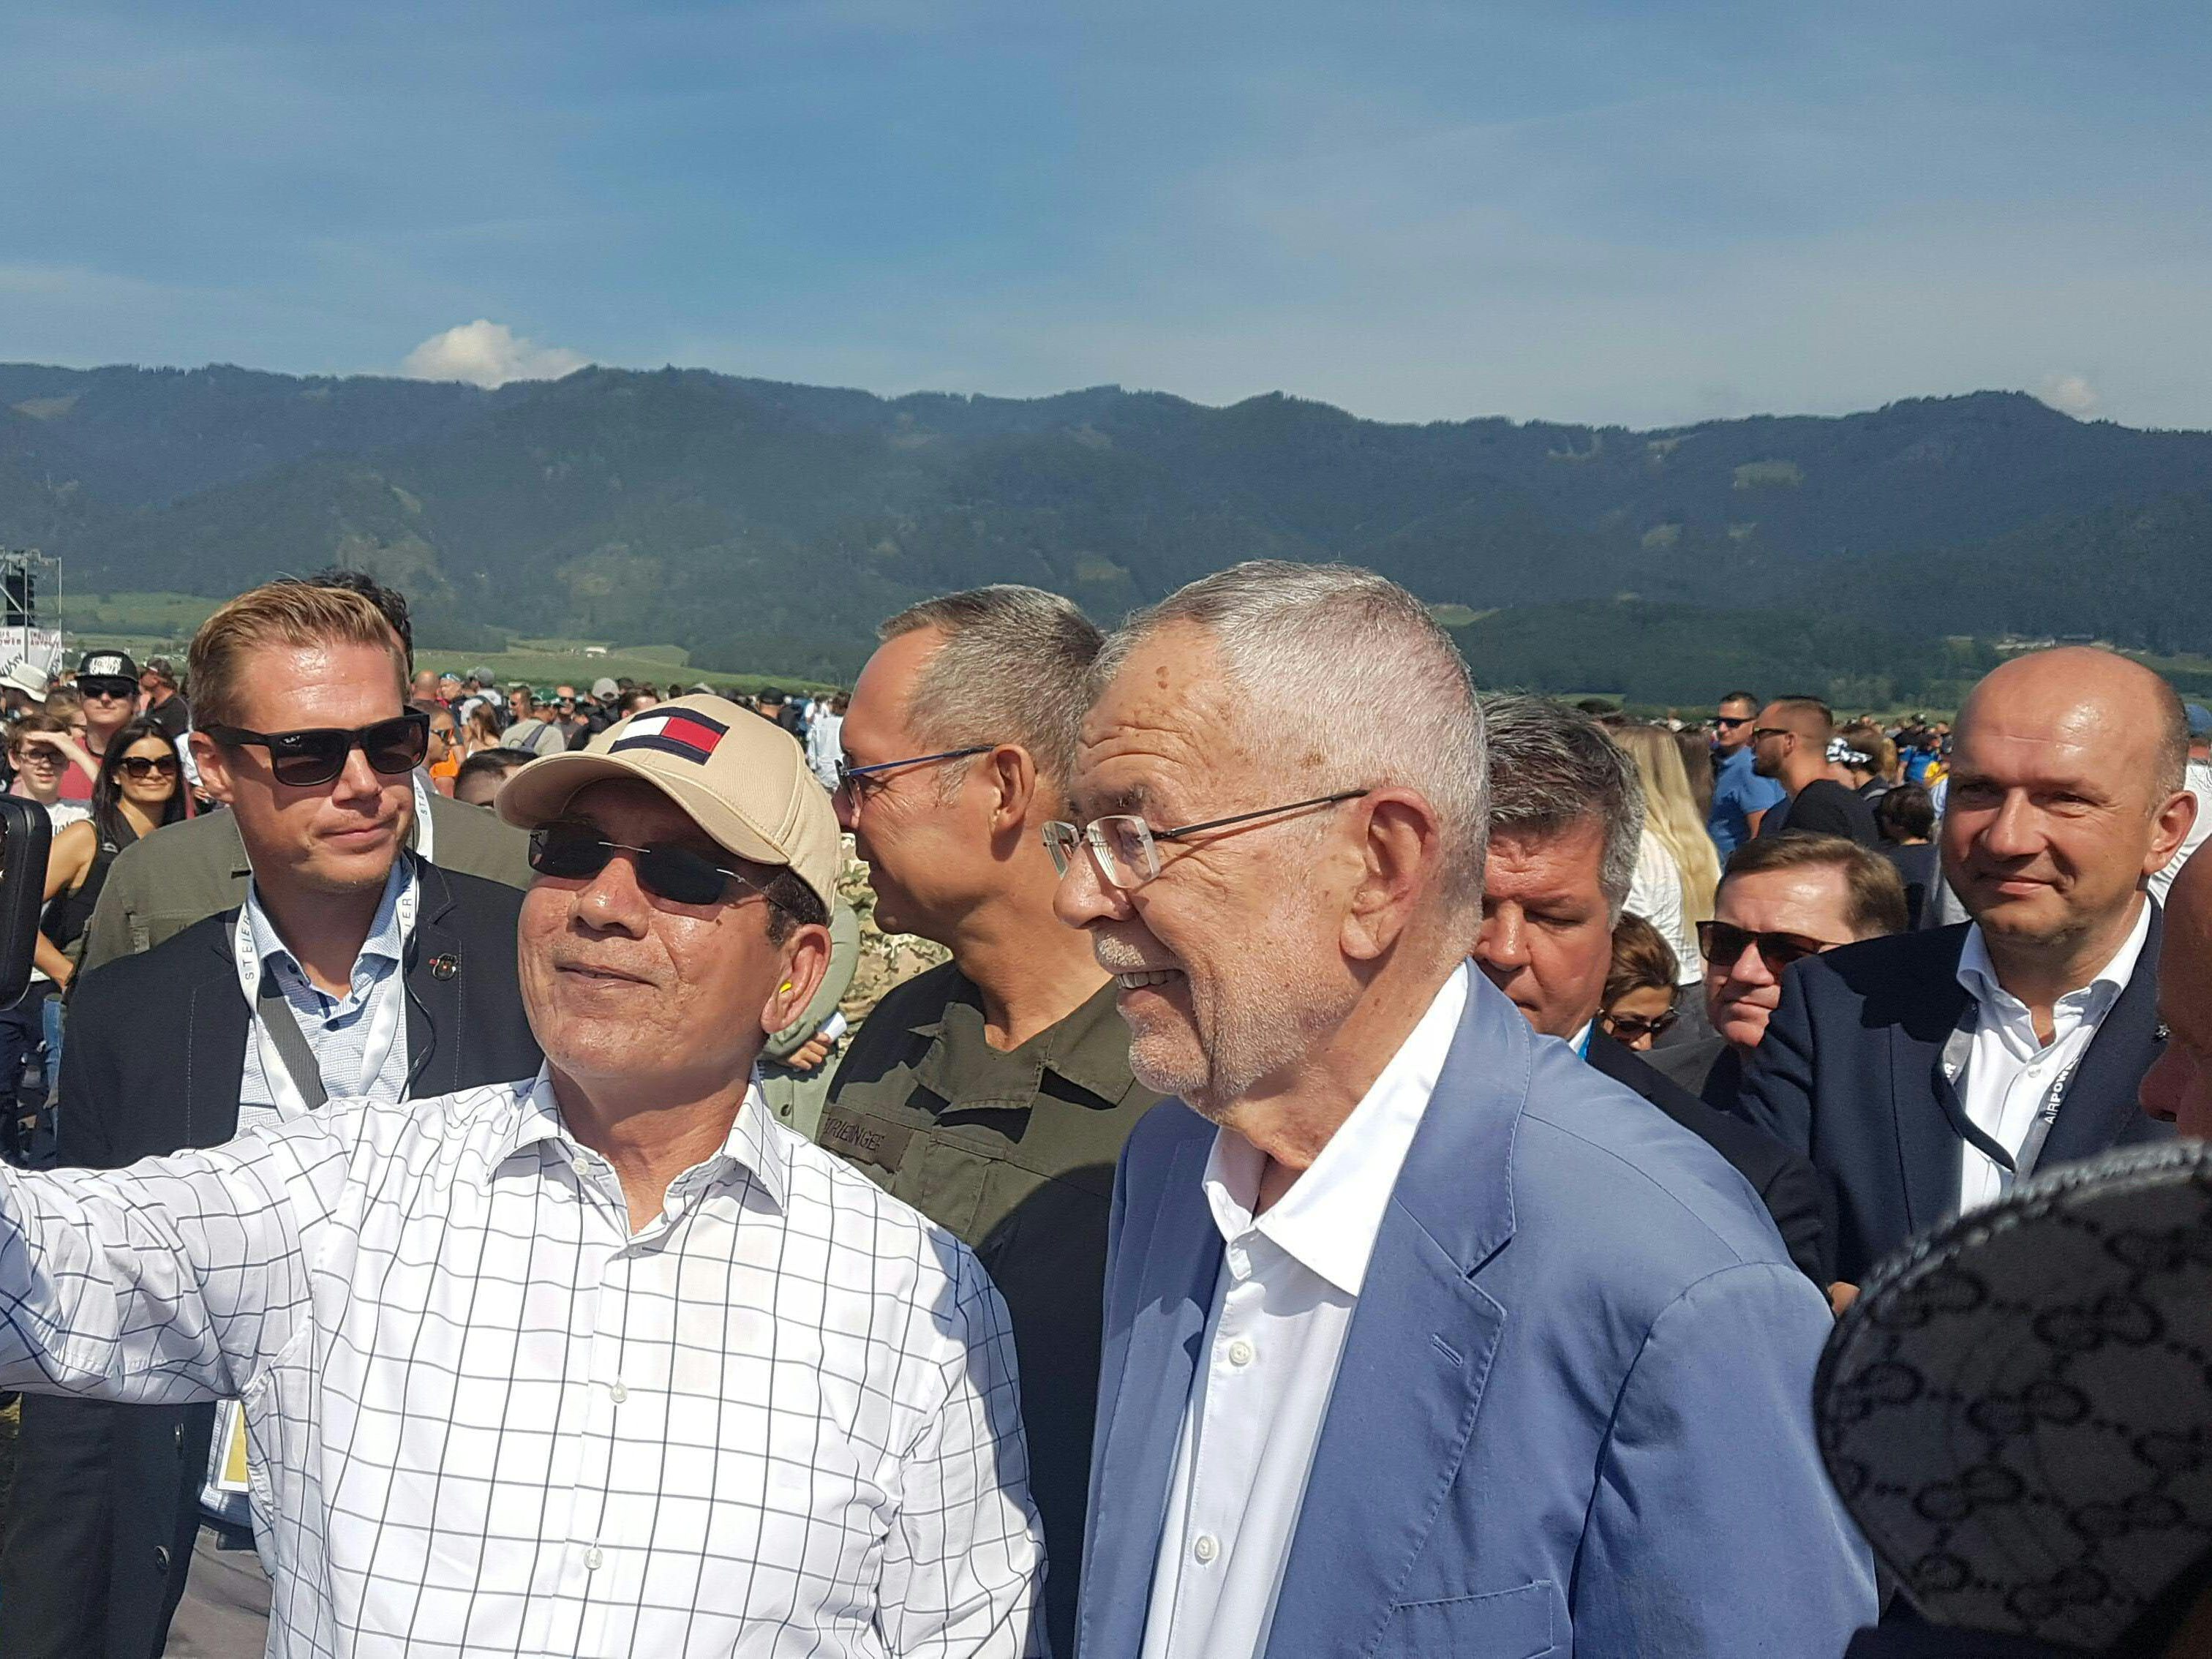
x=1014, y=667
x=1553, y=767
x=1338, y=663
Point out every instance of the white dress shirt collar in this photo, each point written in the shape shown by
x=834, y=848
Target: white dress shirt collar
x=750, y=1145
x=1977, y=975
x=1328, y=1220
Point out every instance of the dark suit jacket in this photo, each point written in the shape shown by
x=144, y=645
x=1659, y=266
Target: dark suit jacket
x=107, y=1497
x=1851, y=1074
x=1794, y=1193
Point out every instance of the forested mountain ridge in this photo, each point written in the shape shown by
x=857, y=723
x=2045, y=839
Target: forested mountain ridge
x=771, y=524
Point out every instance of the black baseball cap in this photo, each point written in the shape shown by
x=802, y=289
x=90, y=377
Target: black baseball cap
x=107, y=665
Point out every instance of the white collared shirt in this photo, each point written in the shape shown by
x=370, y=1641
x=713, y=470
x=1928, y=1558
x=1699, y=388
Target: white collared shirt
x=1289, y=1279
x=486, y=1418
x=2010, y=1072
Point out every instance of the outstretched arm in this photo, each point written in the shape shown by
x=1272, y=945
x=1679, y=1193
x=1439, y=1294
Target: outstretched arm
x=171, y=1281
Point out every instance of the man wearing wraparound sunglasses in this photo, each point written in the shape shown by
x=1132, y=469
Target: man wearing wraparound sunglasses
x=352, y=968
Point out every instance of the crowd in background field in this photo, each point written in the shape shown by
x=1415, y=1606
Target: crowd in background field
x=1268, y=1085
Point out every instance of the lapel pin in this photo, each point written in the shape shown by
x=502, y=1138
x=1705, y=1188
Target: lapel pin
x=445, y=967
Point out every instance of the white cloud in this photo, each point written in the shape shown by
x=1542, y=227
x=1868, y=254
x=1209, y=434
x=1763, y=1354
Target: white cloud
x=2071, y=394
x=487, y=354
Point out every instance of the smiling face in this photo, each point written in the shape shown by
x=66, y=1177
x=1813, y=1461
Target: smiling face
x=1229, y=963
x=1547, y=938
x=927, y=852
x=626, y=988
x=2053, y=817
x=336, y=837
x=151, y=784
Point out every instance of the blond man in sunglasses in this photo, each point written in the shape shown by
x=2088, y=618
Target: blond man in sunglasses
x=351, y=968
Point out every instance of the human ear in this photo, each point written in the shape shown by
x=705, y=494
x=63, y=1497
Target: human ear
x=1400, y=845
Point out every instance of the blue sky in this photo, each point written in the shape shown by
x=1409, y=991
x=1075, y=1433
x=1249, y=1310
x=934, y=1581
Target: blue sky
x=1582, y=212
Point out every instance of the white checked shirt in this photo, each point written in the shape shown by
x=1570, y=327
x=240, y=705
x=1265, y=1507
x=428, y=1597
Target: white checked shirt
x=1290, y=1280
x=485, y=1419
x=2010, y=1071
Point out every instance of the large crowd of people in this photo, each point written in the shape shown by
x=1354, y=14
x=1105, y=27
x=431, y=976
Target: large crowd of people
x=1503, y=1179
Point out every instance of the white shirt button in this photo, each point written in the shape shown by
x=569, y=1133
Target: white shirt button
x=1205, y=1549
x=593, y=1560
x=616, y=1392
x=1240, y=1353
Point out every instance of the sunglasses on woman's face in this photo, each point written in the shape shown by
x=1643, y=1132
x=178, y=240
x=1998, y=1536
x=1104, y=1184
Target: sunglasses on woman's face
x=1629, y=1028
x=139, y=767
x=301, y=760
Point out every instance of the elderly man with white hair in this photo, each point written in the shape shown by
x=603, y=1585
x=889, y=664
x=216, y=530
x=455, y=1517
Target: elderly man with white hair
x=1421, y=1336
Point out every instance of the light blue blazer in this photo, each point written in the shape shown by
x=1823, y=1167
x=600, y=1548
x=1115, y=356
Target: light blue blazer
x=1573, y=1412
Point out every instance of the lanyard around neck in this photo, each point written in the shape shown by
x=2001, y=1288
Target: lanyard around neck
x=288, y=1065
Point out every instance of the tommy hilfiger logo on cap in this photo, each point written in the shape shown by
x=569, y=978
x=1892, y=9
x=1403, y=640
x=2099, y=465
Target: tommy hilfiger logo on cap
x=684, y=733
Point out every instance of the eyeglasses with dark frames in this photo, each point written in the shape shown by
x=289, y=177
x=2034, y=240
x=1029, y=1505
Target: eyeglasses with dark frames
x=1723, y=945
x=576, y=852
x=859, y=782
x=316, y=755
x=1759, y=731
x=142, y=767
x=1124, y=849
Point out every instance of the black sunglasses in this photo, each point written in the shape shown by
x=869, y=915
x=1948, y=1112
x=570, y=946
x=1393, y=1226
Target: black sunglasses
x=142, y=767
x=317, y=754
x=112, y=690
x=577, y=853
x=1629, y=1028
x=1724, y=942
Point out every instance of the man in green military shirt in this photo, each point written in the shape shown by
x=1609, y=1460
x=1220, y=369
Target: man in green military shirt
x=993, y=1092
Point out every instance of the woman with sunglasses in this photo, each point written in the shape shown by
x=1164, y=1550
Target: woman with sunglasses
x=139, y=789
x=38, y=747
x=1640, y=987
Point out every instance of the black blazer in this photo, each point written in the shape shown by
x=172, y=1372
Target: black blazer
x=1796, y=1193
x=1851, y=1074
x=107, y=1497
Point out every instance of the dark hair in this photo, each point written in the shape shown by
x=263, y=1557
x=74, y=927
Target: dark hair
x=107, y=787
x=791, y=903
x=1906, y=813
x=1875, y=893
x=1813, y=712
x=1642, y=960
x=390, y=600
x=1727, y=697
x=497, y=762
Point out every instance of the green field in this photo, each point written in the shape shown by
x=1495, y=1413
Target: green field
x=151, y=624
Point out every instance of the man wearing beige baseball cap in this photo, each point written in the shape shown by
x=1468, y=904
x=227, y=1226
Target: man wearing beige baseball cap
x=602, y=1360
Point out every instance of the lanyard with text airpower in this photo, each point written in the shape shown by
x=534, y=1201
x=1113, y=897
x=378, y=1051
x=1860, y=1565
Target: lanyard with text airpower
x=2011, y=1166
x=294, y=1078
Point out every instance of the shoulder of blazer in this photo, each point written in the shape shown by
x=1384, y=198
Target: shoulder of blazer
x=201, y=951
x=1893, y=974
x=466, y=904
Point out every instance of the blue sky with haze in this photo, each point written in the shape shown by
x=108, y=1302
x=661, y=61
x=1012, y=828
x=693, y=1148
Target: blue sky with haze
x=1654, y=214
